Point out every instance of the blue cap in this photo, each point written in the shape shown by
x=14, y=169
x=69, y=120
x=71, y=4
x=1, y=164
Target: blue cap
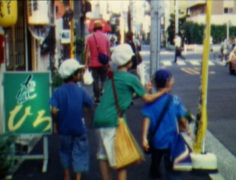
x=161, y=77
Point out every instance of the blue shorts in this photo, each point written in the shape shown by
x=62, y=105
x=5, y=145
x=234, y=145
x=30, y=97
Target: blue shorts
x=74, y=151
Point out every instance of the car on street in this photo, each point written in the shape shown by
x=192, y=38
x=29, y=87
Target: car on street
x=232, y=66
x=232, y=61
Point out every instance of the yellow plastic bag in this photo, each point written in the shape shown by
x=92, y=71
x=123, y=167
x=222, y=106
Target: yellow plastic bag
x=127, y=150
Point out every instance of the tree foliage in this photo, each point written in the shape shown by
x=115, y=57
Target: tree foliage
x=193, y=33
x=6, y=154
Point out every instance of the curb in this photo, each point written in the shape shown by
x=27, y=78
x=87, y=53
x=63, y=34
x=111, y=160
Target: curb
x=226, y=161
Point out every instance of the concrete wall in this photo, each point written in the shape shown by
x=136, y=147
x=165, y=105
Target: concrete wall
x=217, y=7
x=218, y=17
x=215, y=19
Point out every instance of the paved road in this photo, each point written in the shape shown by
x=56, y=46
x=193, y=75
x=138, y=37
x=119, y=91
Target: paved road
x=221, y=91
x=221, y=102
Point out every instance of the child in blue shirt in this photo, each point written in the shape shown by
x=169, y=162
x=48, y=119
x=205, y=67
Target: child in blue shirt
x=67, y=103
x=168, y=127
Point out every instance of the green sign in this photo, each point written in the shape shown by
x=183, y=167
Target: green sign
x=26, y=102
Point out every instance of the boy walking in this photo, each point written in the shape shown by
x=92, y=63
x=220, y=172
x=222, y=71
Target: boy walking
x=169, y=111
x=67, y=103
x=106, y=118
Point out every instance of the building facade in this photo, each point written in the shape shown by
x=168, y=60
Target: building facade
x=223, y=12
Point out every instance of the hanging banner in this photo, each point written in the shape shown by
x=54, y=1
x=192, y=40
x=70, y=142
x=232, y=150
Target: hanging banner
x=38, y=12
x=8, y=12
x=26, y=102
x=202, y=124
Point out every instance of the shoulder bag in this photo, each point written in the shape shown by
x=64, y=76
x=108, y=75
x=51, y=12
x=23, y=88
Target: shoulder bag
x=103, y=58
x=152, y=133
x=126, y=149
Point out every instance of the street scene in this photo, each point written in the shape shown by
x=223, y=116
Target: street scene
x=73, y=72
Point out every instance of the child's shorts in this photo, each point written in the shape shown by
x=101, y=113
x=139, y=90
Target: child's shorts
x=74, y=151
x=106, y=137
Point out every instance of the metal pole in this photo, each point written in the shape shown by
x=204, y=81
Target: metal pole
x=158, y=36
x=155, y=37
x=228, y=24
x=202, y=124
x=72, y=48
x=176, y=17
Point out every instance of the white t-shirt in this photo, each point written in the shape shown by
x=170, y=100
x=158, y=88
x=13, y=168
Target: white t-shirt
x=177, y=41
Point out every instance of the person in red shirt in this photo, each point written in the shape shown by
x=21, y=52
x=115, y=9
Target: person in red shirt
x=97, y=40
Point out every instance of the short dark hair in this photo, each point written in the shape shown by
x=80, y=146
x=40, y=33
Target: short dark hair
x=161, y=78
x=97, y=28
x=130, y=61
x=70, y=78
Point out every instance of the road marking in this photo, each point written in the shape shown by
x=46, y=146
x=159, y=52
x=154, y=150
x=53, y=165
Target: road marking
x=210, y=63
x=194, y=62
x=166, y=63
x=144, y=53
x=191, y=71
x=181, y=63
x=166, y=53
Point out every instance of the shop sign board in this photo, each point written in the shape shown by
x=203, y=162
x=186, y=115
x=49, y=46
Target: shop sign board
x=26, y=102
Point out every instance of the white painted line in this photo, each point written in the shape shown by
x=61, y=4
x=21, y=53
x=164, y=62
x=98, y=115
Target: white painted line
x=194, y=62
x=166, y=52
x=144, y=52
x=210, y=63
x=191, y=71
x=166, y=63
x=181, y=63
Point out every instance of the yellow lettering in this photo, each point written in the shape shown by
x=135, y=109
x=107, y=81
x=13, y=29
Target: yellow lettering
x=40, y=119
x=11, y=125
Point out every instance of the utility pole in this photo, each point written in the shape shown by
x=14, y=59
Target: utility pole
x=176, y=17
x=129, y=18
x=227, y=30
x=155, y=36
x=72, y=47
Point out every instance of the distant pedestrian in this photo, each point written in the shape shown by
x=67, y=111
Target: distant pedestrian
x=136, y=59
x=97, y=41
x=137, y=42
x=224, y=49
x=178, y=48
x=106, y=118
x=165, y=132
x=211, y=44
x=67, y=103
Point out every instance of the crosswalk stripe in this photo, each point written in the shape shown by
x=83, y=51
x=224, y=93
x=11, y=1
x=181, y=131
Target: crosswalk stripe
x=210, y=63
x=166, y=63
x=181, y=63
x=192, y=71
x=195, y=63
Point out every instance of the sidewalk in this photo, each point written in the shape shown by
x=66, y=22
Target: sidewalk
x=31, y=169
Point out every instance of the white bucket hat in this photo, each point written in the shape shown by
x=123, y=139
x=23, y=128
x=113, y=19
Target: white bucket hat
x=122, y=54
x=68, y=67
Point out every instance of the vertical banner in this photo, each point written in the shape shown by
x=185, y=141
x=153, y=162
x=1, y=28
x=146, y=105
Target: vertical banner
x=8, y=13
x=26, y=102
x=202, y=124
